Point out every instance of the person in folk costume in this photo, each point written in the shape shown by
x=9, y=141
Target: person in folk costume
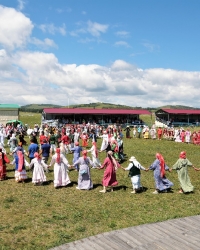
x=58, y=137
x=2, y=147
x=198, y=138
x=13, y=142
x=181, y=166
x=77, y=152
x=38, y=171
x=127, y=129
x=84, y=138
x=109, y=177
x=187, y=135
x=66, y=142
x=104, y=143
x=62, y=148
x=3, y=160
x=183, y=135
x=94, y=153
x=20, y=169
x=114, y=148
x=178, y=135
x=134, y=168
x=42, y=137
x=146, y=133
x=84, y=176
x=61, y=166
x=76, y=136
x=120, y=144
x=134, y=132
x=161, y=182
x=165, y=133
x=152, y=132
x=159, y=132
x=194, y=137
x=2, y=135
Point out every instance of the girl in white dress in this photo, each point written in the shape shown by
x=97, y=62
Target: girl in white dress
x=94, y=153
x=38, y=171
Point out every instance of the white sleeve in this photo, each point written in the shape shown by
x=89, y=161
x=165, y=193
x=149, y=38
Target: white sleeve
x=129, y=166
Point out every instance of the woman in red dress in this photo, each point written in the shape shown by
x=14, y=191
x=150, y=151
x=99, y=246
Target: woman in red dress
x=109, y=177
x=3, y=161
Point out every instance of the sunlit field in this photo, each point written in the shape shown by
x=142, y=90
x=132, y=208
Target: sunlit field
x=41, y=217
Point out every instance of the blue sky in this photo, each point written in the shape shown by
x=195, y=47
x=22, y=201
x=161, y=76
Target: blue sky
x=139, y=53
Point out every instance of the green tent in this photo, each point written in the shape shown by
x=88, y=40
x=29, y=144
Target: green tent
x=16, y=122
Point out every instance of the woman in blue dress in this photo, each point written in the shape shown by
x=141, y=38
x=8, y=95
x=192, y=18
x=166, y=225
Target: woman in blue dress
x=161, y=182
x=77, y=152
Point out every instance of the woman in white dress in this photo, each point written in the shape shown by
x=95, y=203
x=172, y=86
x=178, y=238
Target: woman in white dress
x=61, y=164
x=94, y=153
x=38, y=171
x=104, y=143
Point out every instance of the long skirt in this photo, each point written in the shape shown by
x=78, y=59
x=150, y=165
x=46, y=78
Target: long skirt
x=20, y=176
x=38, y=174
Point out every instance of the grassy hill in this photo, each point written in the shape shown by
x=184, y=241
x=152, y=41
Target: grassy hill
x=176, y=107
x=38, y=108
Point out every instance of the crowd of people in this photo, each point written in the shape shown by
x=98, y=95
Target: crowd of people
x=49, y=147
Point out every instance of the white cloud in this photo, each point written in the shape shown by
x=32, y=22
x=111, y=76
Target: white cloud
x=123, y=34
x=52, y=29
x=21, y=4
x=92, y=28
x=37, y=77
x=47, y=43
x=15, y=28
x=95, y=29
x=151, y=47
x=122, y=43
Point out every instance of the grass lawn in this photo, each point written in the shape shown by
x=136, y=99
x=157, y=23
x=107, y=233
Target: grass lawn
x=40, y=217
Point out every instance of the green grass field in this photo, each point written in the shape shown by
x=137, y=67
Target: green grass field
x=40, y=217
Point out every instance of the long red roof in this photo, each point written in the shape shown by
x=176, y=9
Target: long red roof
x=181, y=111
x=96, y=111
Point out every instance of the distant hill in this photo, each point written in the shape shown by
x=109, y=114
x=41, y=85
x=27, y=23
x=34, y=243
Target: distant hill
x=38, y=108
x=101, y=105
x=176, y=107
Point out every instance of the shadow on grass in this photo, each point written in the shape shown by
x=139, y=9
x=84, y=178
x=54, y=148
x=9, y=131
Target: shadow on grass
x=122, y=187
x=96, y=186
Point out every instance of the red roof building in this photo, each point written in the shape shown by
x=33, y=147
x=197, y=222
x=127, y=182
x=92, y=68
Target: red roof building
x=77, y=115
x=179, y=115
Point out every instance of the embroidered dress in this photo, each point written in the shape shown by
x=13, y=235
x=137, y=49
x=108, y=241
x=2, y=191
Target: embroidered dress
x=61, y=165
x=20, y=170
x=77, y=151
x=3, y=161
x=181, y=166
x=38, y=171
x=84, y=176
x=161, y=183
x=109, y=177
x=94, y=153
x=104, y=143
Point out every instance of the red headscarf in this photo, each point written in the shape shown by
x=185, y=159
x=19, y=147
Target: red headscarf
x=58, y=155
x=84, y=153
x=162, y=164
x=36, y=155
x=95, y=148
x=182, y=155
